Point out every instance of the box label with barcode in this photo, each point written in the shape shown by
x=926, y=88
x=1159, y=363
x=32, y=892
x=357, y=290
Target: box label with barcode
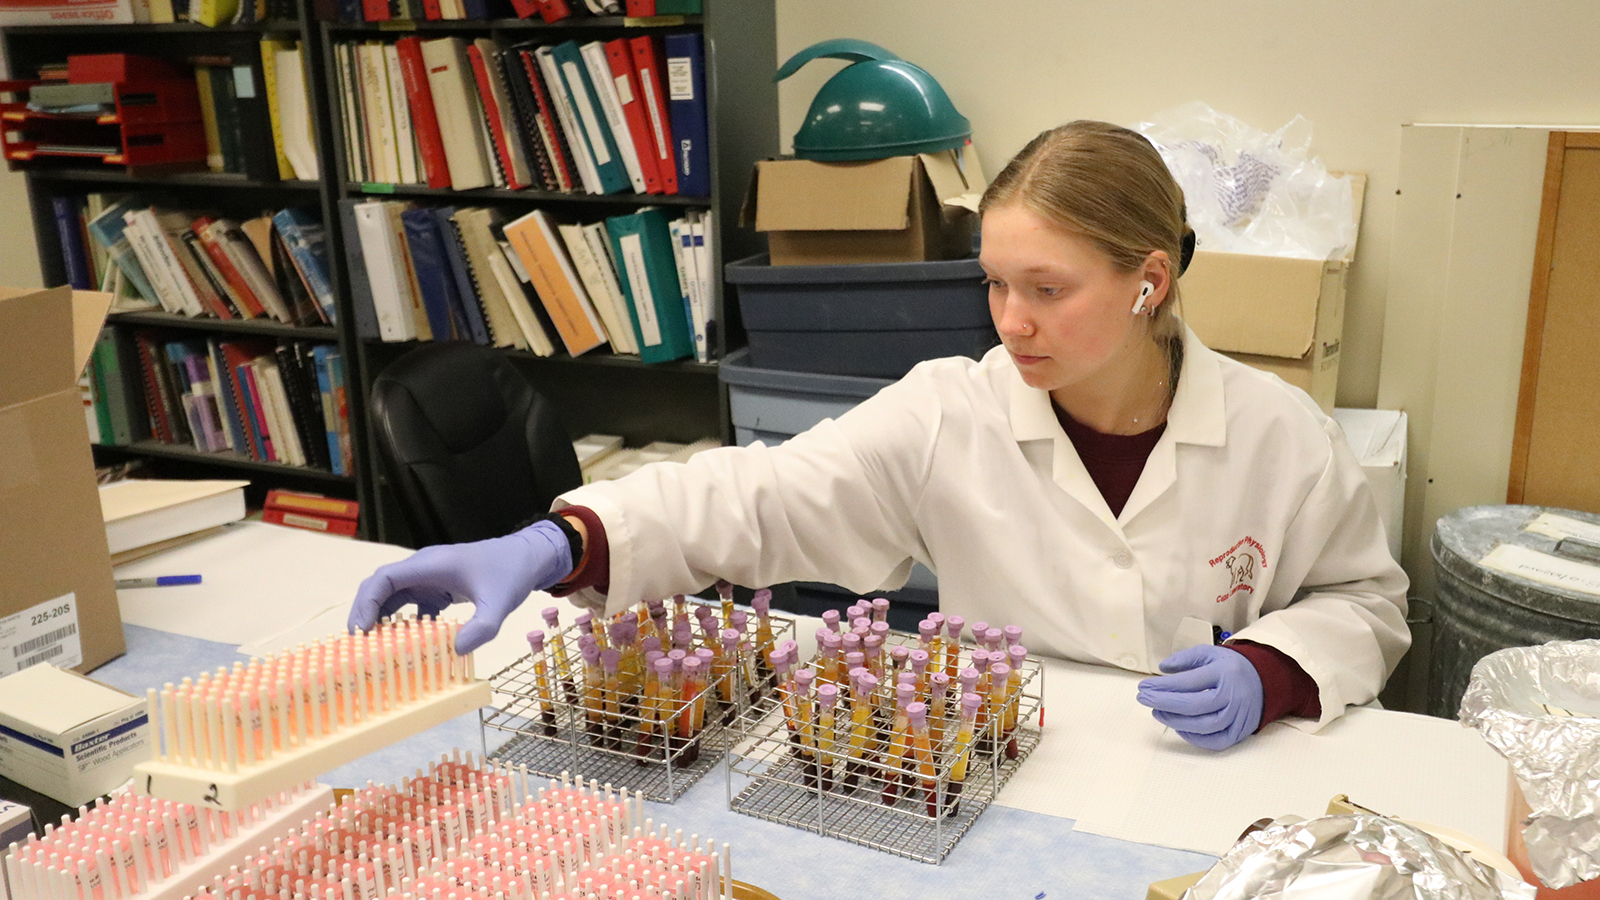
x=47, y=632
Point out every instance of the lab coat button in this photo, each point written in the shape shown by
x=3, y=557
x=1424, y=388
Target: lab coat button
x=1127, y=661
x=1123, y=559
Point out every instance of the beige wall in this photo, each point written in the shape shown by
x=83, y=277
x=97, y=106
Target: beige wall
x=1358, y=71
x=19, y=261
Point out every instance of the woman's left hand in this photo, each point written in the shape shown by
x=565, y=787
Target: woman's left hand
x=1211, y=696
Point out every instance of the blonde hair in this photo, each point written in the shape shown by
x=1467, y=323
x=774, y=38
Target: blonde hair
x=1109, y=185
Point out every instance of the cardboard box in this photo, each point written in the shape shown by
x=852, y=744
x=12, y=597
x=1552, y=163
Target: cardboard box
x=1278, y=314
x=900, y=209
x=58, y=602
x=67, y=736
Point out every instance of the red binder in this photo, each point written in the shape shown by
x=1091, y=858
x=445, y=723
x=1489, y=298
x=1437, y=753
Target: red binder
x=432, y=10
x=308, y=521
x=527, y=9
x=621, y=60
x=641, y=9
x=647, y=65
x=424, y=123
x=553, y=10
x=375, y=10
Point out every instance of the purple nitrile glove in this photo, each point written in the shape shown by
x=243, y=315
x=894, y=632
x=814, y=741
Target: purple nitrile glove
x=495, y=576
x=1210, y=695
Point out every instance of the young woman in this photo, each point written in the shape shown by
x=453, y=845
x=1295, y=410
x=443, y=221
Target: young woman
x=1102, y=479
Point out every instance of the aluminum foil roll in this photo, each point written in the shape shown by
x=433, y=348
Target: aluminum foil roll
x=1540, y=708
x=1351, y=858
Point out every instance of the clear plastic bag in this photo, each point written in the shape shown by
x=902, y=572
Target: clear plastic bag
x=1253, y=192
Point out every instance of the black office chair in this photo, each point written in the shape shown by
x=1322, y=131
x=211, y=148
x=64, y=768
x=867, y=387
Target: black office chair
x=471, y=448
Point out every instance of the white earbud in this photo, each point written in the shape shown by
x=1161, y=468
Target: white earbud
x=1145, y=290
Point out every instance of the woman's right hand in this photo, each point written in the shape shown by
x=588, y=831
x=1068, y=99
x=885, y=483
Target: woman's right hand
x=495, y=576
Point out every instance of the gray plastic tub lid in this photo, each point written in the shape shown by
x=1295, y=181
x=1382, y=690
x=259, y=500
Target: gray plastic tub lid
x=736, y=370
x=758, y=269
x=1463, y=537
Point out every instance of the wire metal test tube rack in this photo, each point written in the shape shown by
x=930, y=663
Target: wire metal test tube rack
x=566, y=723
x=776, y=773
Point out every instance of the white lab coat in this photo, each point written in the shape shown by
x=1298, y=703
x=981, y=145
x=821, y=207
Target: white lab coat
x=1251, y=514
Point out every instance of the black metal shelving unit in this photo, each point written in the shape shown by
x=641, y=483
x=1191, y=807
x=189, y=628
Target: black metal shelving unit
x=596, y=392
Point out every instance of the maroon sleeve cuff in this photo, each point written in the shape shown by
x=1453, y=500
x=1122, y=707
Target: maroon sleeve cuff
x=594, y=570
x=1286, y=689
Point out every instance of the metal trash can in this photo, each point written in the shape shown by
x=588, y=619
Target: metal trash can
x=1478, y=609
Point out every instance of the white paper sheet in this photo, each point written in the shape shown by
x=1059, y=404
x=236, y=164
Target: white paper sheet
x=1107, y=764
x=258, y=580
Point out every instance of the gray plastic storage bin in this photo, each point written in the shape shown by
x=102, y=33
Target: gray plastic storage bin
x=875, y=320
x=772, y=406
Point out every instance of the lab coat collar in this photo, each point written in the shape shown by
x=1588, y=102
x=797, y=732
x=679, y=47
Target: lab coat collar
x=1197, y=415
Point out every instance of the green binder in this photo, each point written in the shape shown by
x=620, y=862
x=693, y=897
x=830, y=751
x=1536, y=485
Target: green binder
x=642, y=245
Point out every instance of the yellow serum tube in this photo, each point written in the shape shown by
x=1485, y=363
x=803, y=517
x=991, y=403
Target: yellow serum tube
x=965, y=735
x=552, y=622
x=587, y=622
x=696, y=680
x=968, y=681
x=722, y=670
x=803, y=682
x=999, y=684
x=541, y=679
x=862, y=686
x=939, y=692
x=832, y=647
x=725, y=594
x=922, y=753
x=762, y=604
x=894, y=764
x=827, y=736
x=593, y=691
x=919, y=668
x=952, y=645
x=610, y=662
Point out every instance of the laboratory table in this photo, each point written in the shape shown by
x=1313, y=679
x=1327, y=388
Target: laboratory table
x=1096, y=812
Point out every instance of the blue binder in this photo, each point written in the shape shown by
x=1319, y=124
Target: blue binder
x=686, y=106
x=433, y=271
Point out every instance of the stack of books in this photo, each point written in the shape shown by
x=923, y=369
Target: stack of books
x=599, y=118
x=640, y=282
x=196, y=265
x=283, y=401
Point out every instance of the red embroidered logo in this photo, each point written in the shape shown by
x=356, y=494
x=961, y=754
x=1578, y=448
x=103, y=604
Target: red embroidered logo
x=1241, y=561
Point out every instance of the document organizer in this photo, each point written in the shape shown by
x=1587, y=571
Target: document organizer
x=560, y=714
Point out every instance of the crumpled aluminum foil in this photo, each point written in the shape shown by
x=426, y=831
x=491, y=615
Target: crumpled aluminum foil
x=1351, y=858
x=1556, y=757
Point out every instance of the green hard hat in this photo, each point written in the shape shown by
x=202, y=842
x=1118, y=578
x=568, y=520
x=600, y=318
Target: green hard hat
x=877, y=107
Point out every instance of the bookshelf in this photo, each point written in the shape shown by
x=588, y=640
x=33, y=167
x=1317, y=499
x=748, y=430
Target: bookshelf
x=595, y=392
x=224, y=194
x=599, y=391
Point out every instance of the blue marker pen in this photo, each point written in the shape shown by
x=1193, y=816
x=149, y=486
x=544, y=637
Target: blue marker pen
x=159, y=581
